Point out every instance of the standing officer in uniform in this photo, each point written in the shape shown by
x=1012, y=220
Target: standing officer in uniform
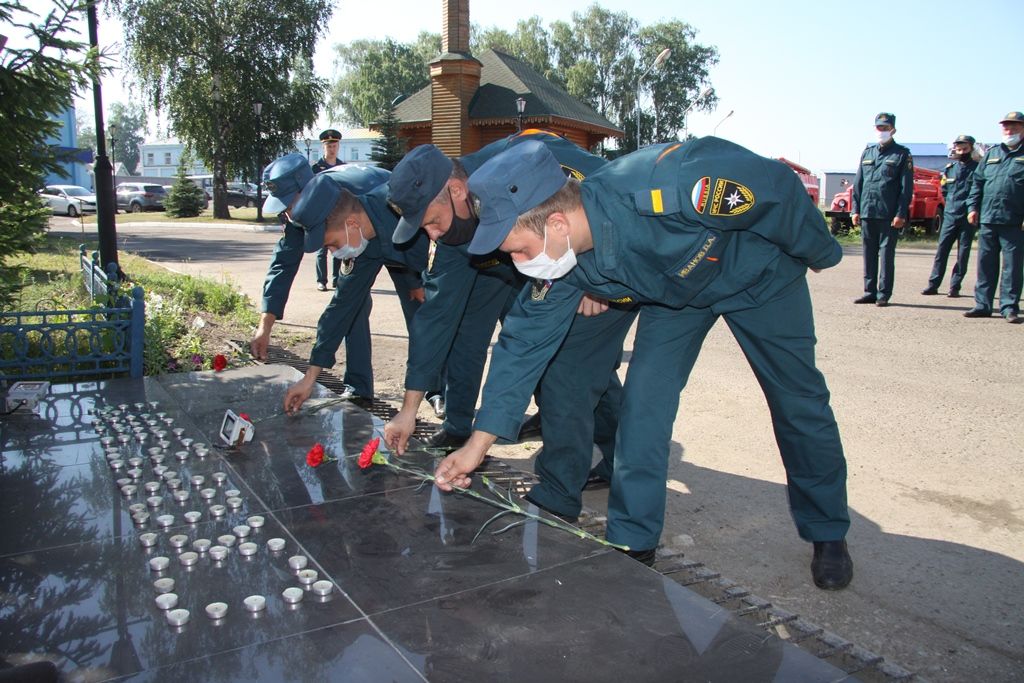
x=467, y=295
x=692, y=231
x=331, y=140
x=957, y=180
x=358, y=229
x=997, y=198
x=285, y=178
x=881, y=206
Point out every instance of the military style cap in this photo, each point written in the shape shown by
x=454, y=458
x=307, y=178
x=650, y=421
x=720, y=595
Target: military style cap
x=285, y=177
x=508, y=186
x=885, y=119
x=1013, y=117
x=330, y=135
x=969, y=139
x=311, y=211
x=417, y=179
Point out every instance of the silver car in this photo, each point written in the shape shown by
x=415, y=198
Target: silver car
x=70, y=200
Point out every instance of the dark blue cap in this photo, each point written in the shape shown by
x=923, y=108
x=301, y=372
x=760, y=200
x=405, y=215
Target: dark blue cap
x=969, y=139
x=284, y=178
x=314, y=206
x=330, y=135
x=1013, y=117
x=508, y=186
x=885, y=119
x=417, y=179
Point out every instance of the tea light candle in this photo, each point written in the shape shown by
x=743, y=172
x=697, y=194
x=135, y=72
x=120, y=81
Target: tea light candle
x=247, y=549
x=275, y=545
x=137, y=507
x=188, y=558
x=155, y=501
x=159, y=563
x=323, y=587
x=128, y=490
x=180, y=496
x=242, y=530
x=216, y=610
x=233, y=493
x=201, y=545
x=167, y=601
x=207, y=494
x=234, y=503
x=197, y=479
x=151, y=487
x=292, y=595
x=296, y=562
x=148, y=539
x=219, y=477
x=217, y=510
x=164, y=585
x=307, y=576
x=140, y=518
x=256, y=521
x=192, y=516
x=226, y=540
x=218, y=553
x=175, y=485
x=181, y=455
x=177, y=617
x=178, y=540
x=255, y=603
x=165, y=520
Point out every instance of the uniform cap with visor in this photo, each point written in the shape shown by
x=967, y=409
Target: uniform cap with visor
x=285, y=177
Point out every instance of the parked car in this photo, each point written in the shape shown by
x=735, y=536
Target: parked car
x=241, y=194
x=136, y=197
x=71, y=200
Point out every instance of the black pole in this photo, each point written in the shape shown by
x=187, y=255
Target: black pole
x=101, y=169
x=259, y=171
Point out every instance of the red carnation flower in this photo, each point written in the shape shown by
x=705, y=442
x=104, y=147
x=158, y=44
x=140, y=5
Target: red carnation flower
x=366, y=457
x=219, y=362
x=245, y=416
x=315, y=456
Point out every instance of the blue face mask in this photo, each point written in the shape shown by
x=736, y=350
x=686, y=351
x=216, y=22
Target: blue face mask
x=346, y=252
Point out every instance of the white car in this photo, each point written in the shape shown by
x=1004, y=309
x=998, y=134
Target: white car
x=71, y=200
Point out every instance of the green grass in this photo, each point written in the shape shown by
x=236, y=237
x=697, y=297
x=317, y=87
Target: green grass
x=242, y=215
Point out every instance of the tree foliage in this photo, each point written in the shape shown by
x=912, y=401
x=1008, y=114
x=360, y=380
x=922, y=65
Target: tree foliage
x=36, y=86
x=206, y=62
x=185, y=199
x=597, y=56
x=130, y=134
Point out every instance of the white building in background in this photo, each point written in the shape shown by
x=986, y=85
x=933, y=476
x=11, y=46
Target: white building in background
x=161, y=159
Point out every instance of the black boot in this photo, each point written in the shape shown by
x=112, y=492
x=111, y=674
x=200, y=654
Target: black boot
x=832, y=567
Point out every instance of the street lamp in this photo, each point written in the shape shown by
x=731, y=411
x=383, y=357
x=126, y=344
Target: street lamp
x=708, y=92
x=715, y=129
x=113, y=146
x=257, y=108
x=309, y=146
x=658, y=61
x=520, y=107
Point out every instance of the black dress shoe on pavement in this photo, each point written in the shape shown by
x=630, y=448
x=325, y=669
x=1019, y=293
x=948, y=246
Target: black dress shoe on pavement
x=832, y=567
x=1013, y=318
x=642, y=556
x=954, y=294
x=882, y=302
x=530, y=428
x=930, y=291
x=977, y=313
x=866, y=299
x=445, y=441
x=568, y=518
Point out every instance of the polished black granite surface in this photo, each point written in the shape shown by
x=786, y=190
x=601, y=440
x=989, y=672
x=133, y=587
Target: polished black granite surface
x=413, y=595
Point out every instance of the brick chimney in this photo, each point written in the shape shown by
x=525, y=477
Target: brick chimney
x=454, y=79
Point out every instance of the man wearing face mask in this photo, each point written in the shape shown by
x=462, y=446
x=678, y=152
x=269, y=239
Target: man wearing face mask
x=693, y=232
x=957, y=180
x=580, y=391
x=997, y=202
x=285, y=178
x=357, y=229
x=882, y=191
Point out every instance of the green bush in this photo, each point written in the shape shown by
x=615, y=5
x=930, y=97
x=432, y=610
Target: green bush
x=185, y=199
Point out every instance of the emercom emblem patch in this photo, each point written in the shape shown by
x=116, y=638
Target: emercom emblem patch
x=731, y=198
x=699, y=194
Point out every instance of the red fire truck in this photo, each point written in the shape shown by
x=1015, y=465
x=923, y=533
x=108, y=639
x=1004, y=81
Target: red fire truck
x=925, y=206
x=810, y=181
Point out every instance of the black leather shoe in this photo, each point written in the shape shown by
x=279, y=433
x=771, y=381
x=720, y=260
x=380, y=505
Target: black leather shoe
x=954, y=294
x=443, y=440
x=866, y=299
x=930, y=291
x=595, y=482
x=832, y=567
x=568, y=518
x=977, y=313
x=1013, y=318
x=530, y=428
x=642, y=556
x=882, y=302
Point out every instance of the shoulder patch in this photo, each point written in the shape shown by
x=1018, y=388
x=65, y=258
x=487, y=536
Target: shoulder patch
x=699, y=194
x=731, y=198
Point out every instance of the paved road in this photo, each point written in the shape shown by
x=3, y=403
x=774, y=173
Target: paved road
x=929, y=405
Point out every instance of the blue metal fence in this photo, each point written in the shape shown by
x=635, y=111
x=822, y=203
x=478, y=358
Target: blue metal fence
x=103, y=341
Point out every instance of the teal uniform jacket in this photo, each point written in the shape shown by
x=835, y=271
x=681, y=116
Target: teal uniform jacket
x=705, y=223
x=998, y=191
x=352, y=287
x=884, y=184
x=957, y=181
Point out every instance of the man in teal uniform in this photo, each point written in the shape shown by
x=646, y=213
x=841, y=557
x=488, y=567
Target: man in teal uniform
x=881, y=206
x=957, y=181
x=997, y=200
x=692, y=231
x=331, y=140
x=467, y=295
x=357, y=228
x=285, y=178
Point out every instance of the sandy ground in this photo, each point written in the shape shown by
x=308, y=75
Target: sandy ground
x=929, y=405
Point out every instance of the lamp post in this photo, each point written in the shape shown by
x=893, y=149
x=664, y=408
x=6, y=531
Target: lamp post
x=520, y=108
x=715, y=129
x=708, y=92
x=309, y=146
x=104, y=185
x=658, y=61
x=257, y=108
x=113, y=164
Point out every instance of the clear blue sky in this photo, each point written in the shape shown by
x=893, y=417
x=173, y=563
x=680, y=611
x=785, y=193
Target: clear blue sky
x=805, y=79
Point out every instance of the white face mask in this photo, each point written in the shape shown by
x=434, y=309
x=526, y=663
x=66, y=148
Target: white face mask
x=884, y=136
x=346, y=252
x=1011, y=140
x=543, y=267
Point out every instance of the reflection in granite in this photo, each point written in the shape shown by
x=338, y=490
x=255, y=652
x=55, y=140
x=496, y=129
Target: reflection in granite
x=414, y=596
